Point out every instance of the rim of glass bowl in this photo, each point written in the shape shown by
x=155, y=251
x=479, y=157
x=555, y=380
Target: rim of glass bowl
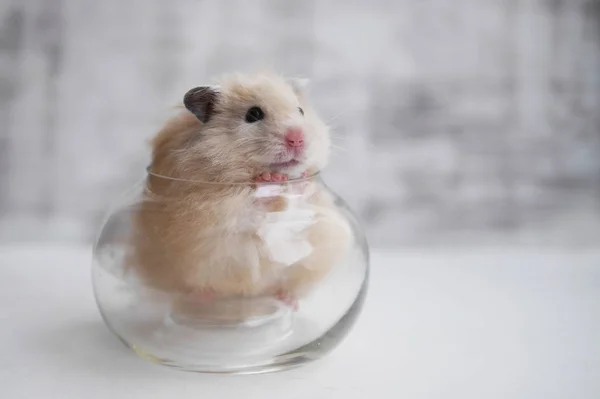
x=300, y=179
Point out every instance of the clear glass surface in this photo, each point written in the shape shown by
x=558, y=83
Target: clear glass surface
x=230, y=278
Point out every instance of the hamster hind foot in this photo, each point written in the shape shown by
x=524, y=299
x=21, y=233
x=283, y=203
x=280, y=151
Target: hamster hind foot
x=288, y=298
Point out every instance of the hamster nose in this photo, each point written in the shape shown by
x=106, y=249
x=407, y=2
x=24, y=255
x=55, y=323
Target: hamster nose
x=294, y=137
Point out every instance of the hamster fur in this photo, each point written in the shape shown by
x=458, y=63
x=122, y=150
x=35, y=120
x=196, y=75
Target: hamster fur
x=194, y=237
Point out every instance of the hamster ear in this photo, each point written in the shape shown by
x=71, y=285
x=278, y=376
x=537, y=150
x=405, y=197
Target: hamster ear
x=300, y=85
x=200, y=101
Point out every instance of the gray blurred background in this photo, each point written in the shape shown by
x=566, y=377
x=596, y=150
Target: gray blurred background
x=463, y=122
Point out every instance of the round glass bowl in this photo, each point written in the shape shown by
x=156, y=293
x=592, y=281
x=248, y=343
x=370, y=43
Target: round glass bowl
x=230, y=278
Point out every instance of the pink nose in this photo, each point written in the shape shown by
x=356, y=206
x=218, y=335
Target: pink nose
x=294, y=137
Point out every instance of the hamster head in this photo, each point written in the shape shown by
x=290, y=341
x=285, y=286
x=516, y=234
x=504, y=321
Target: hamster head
x=249, y=124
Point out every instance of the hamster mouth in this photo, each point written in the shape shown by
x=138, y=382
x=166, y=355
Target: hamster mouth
x=289, y=159
x=284, y=165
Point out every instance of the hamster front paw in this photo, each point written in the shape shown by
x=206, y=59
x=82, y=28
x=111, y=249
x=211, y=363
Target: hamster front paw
x=267, y=177
x=269, y=195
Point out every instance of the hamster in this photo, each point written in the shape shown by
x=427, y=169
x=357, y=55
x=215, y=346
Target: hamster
x=198, y=230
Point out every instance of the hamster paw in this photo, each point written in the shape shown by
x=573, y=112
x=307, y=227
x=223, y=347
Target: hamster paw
x=287, y=298
x=269, y=195
x=267, y=177
x=300, y=186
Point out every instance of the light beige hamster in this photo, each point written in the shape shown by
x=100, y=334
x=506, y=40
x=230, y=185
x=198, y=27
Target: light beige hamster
x=204, y=238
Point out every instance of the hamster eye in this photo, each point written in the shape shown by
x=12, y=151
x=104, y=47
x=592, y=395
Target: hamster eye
x=254, y=114
x=301, y=110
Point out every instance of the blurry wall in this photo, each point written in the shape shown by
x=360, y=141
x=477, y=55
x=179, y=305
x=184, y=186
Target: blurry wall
x=455, y=122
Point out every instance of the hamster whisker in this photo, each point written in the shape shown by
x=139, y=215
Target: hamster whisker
x=347, y=139
x=337, y=147
x=337, y=136
x=327, y=122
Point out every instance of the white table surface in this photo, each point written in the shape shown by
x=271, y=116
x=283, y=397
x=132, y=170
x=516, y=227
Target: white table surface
x=445, y=324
